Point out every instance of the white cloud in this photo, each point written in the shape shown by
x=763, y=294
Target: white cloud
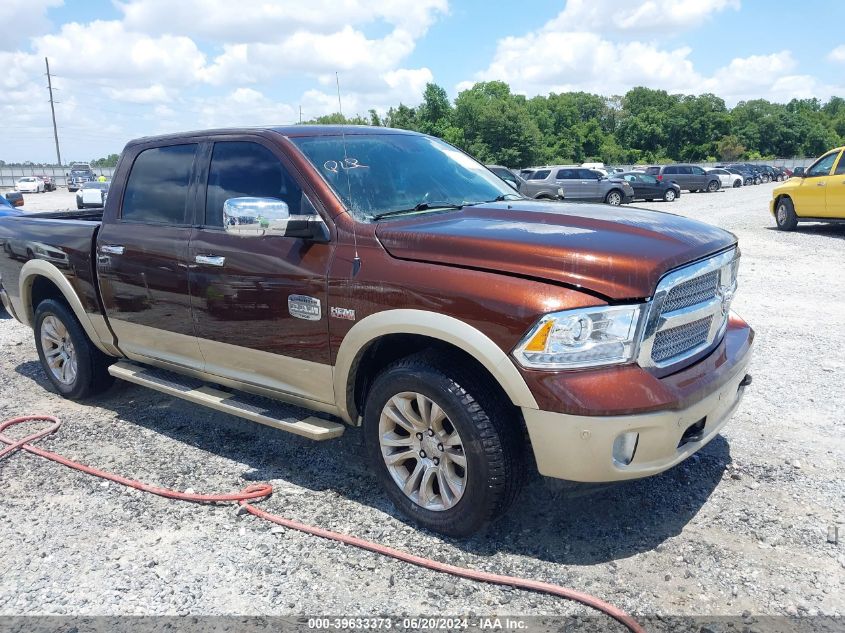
x=263, y=21
x=22, y=19
x=242, y=107
x=539, y=63
x=389, y=89
x=107, y=50
x=553, y=59
x=651, y=15
x=156, y=93
x=837, y=54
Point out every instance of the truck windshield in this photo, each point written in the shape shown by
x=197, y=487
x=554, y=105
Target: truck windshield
x=374, y=174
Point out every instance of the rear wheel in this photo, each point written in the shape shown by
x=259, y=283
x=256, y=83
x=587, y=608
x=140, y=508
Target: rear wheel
x=445, y=447
x=785, y=215
x=72, y=363
x=670, y=195
x=613, y=198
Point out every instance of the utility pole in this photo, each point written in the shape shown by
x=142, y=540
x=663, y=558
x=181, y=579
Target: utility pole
x=53, y=111
x=300, y=115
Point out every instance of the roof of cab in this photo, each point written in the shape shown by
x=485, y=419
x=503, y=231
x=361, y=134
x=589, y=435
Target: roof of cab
x=284, y=130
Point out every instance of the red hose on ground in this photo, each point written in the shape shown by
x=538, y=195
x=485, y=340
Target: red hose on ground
x=260, y=491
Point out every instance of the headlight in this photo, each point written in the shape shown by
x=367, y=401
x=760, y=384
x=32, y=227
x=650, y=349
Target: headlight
x=586, y=337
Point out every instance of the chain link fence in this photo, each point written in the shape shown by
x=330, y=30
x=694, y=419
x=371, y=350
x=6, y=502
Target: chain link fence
x=9, y=174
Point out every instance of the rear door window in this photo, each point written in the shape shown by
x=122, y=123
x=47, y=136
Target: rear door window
x=158, y=185
x=540, y=174
x=566, y=174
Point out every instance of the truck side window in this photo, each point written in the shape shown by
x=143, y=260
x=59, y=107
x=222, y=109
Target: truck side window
x=157, y=189
x=244, y=169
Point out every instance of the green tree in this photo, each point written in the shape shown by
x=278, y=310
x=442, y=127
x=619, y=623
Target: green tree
x=434, y=115
x=496, y=125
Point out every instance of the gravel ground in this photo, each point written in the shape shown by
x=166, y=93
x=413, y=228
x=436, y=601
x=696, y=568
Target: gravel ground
x=741, y=528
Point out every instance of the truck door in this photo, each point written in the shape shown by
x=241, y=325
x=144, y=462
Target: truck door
x=259, y=301
x=590, y=185
x=142, y=257
x=811, y=199
x=835, y=201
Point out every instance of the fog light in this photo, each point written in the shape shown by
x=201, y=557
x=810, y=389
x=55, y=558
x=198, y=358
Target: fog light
x=623, y=448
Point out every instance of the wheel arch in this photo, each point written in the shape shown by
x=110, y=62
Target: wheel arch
x=612, y=190
x=784, y=196
x=41, y=280
x=414, y=330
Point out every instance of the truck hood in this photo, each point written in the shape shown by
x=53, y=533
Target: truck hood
x=617, y=252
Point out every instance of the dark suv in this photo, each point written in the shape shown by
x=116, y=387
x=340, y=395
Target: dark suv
x=690, y=177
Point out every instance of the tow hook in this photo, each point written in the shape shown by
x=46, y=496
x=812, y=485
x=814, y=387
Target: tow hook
x=745, y=381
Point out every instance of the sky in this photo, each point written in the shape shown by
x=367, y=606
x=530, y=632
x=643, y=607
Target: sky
x=128, y=68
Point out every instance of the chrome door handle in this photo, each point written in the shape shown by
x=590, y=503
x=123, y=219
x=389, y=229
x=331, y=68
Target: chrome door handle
x=112, y=249
x=820, y=184
x=210, y=260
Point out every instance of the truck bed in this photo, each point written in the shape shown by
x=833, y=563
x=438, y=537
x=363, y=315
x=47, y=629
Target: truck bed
x=64, y=239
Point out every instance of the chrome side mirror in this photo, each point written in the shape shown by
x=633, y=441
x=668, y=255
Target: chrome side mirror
x=258, y=217
x=255, y=216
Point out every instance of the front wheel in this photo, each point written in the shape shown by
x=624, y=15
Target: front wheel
x=613, y=198
x=72, y=363
x=713, y=186
x=737, y=183
x=670, y=195
x=785, y=217
x=445, y=447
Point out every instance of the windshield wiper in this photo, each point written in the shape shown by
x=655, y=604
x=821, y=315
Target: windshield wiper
x=422, y=206
x=500, y=198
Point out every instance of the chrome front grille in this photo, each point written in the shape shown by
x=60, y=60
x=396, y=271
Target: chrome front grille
x=691, y=292
x=689, y=312
x=677, y=340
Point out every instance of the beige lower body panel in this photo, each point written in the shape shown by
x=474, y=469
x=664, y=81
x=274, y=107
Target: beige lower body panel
x=238, y=367
x=579, y=448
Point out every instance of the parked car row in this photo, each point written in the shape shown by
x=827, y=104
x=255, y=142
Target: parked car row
x=597, y=182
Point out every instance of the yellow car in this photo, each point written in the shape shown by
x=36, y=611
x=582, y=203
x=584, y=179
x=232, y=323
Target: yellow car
x=815, y=195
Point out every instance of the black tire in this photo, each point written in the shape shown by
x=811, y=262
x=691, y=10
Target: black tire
x=713, y=186
x=785, y=217
x=649, y=199
x=670, y=195
x=737, y=183
x=693, y=190
x=614, y=198
x=92, y=365
x=489, y=428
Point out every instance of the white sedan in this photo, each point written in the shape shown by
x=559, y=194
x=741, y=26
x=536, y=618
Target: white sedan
x=30, y=184
x=727, y=179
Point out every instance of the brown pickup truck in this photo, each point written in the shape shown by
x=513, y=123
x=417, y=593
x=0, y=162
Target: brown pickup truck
x=389, y=280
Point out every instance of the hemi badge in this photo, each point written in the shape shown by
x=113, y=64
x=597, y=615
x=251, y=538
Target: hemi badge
x=304, y=307
x=343, y=313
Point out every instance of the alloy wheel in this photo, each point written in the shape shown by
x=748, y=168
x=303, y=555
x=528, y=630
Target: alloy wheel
x=423, y=451
x=58, y=350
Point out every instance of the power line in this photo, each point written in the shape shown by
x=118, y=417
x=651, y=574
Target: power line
x=53, y=112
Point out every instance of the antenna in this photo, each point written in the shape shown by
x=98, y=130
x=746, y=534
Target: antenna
x=356, y=261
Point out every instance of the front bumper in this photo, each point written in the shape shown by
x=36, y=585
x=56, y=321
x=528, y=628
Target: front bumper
x=580, y=447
